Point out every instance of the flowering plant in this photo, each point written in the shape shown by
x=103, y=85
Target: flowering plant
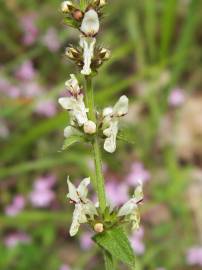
x=96, y=128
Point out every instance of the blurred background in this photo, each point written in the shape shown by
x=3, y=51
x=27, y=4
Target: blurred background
x=157, y=61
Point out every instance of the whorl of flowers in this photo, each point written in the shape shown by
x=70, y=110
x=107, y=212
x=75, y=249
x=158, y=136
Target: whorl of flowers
x=102, y=128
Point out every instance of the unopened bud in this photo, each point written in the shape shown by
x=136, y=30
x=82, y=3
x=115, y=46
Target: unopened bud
x=99, y=228
x=71, y=52
x=102, y=3
x=105, y=54
x=99, y=3
x=78, y=15
x=65, y=6
x=89, y=127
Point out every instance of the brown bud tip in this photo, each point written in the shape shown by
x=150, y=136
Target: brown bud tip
x=99, y=228
x=78, y=15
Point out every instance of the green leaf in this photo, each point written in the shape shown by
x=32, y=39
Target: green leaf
x=125, y=138
x=116, y=243
x=71, y=22
x=109, y=261
x=72, y=140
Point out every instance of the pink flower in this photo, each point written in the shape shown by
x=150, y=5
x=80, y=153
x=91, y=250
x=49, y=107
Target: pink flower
x=26, y=71
x=176, y=97
x=51, y=40
x=64, y=267
x=42, y=195
x=194, y=256
x=13, y=91
x=137, y=241
x=117, y=192
x=45, y=182
x=46, y=108
x=14, y=239
x=137, y=174
x=31, y=89
x=86, y=241
x=16, y=206
x=28, y=24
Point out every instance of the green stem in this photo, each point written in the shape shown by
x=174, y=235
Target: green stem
x=96, y=146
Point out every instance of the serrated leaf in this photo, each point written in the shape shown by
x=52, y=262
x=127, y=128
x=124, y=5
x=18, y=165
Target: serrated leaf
x=72, y=140
x=117, y=244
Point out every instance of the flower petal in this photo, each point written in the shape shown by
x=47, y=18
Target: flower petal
x=90, y=24
x=88, y=45
x=73, y=85
x=78, y=218
x=111, y=133
x=127, y=208
x=121, y=107
x=82, y=188
x=72, y=195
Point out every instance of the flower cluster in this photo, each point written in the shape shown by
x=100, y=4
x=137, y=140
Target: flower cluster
x=86, y=18
x=91, y=125
x=108, y=126
x=87, y=212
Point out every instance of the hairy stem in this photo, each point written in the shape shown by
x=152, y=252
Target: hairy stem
x=96, y=146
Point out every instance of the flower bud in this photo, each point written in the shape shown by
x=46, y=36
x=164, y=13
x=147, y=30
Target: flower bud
x=89, y=127
x=102, y=3
x=78, y=15
x=65, y=6
x=105, y=54
x=99, y=3
x=99, y=228
x=90, y=24
x=71, y=53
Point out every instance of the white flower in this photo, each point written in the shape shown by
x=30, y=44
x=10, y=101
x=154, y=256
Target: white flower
x=90, y=24
x=70, y=131
x=65, y=6
x=76, y=107
x=130, y=206
x=111, y=121
x=111, y=133
x=88, y=45
x=83, y=206
x=89, y=127
x=73, y=85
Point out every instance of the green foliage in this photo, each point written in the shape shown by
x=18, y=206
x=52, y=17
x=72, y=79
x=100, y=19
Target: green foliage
x=116, y=243
x=72, y=140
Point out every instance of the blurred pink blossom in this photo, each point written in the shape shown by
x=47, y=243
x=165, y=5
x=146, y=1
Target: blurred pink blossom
x=160, y=268
x=86, y=241
x=194, y=256
x=64, y=267
x=13, y=91
x=137, y=241
x=14, y=239
x=137, y=174
x=51, y=40
x=117, y=192
x=28, y=24
x=31, y=89
x=26, y=71
x=46, y=108
x=45, y=182
x=16, y=206
x=42, y=195
x=176, y=97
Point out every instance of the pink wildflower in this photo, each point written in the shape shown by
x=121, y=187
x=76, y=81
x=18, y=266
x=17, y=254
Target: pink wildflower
x=137, y=174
